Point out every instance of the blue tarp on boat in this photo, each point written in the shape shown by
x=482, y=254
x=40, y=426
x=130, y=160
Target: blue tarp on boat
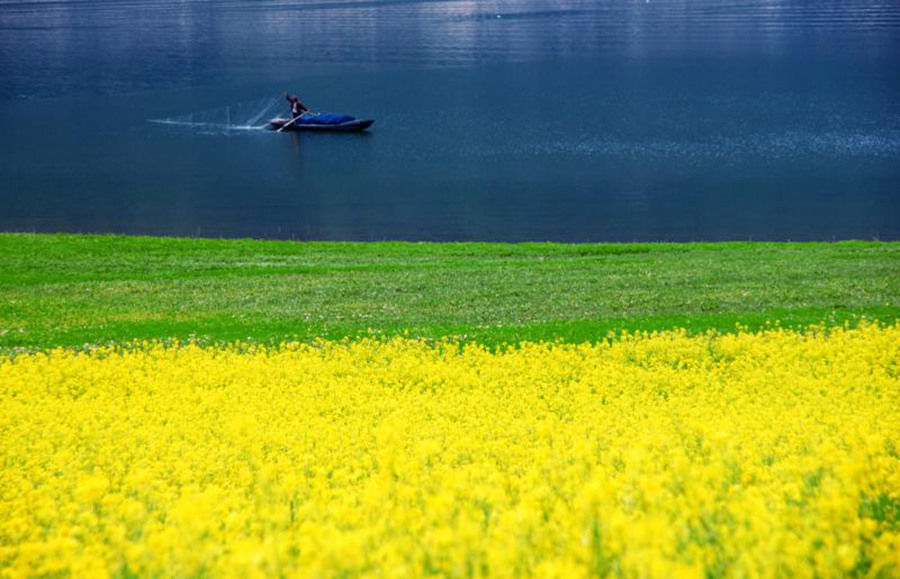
x=324, y=119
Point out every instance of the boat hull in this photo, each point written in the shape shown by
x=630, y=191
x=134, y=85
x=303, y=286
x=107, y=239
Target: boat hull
x=354, y=126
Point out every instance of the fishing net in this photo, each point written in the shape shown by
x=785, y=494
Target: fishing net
x=250, y=115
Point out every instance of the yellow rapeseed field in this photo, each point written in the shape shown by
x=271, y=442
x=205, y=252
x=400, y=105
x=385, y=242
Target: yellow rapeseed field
x=751, y=454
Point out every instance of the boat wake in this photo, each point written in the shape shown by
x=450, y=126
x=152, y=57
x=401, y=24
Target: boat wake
x=246, y=116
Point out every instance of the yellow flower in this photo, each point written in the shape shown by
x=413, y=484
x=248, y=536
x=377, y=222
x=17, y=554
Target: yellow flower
x=657, y=455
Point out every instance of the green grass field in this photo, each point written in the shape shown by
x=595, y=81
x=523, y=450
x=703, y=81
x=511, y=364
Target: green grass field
x=76, y=289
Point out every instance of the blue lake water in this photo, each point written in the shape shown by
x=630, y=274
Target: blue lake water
x=613, y=120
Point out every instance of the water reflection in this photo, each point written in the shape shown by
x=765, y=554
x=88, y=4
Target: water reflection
x=63, y=47
x=534, y=119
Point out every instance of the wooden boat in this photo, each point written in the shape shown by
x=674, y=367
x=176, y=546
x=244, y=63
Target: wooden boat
x=354, y=126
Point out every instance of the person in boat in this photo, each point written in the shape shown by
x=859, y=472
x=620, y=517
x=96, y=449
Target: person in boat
x=297, y=107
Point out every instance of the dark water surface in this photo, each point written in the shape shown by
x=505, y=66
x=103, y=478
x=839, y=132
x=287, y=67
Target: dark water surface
x=610, y=120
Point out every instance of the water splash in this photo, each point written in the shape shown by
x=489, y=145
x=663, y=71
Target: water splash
x=246, y=116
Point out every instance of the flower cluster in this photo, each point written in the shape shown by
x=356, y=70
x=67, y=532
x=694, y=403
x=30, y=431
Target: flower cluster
x=774, y=453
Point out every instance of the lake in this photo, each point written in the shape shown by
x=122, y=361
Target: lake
x=616, y=120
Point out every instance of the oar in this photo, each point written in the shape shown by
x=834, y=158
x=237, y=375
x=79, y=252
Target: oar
x=291, y=122
x=294, y=120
